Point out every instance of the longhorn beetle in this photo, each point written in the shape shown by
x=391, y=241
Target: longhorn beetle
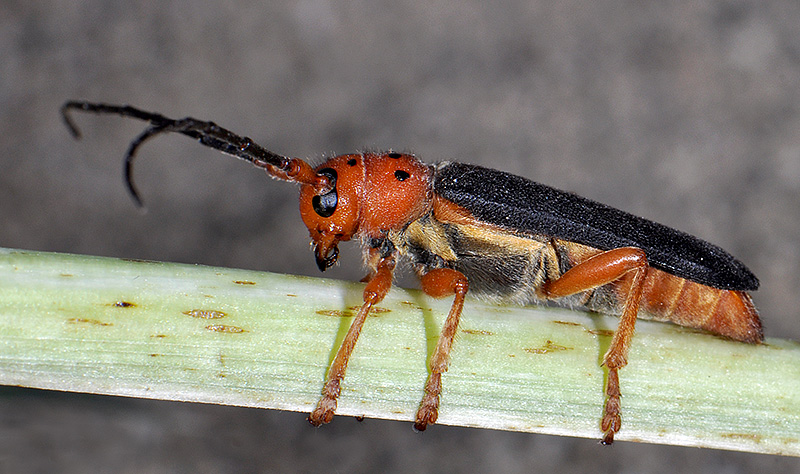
x=467, y=228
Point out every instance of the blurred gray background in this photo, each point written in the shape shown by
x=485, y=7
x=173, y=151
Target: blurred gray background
x=685, y=112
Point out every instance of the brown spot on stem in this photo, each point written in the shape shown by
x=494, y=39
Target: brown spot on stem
x=567, y=323
x=478, y=332
x=349, y=312
x=225, y=329
x=374, y=311
x=547, y=348
x=205, y=314
x=336, y=313
x=88, y=321
x=756, y=438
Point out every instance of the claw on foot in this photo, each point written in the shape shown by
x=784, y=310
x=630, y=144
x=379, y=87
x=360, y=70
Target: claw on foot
x=324, y=412
x=612, y=421
x=611, y=424
x=428, y=412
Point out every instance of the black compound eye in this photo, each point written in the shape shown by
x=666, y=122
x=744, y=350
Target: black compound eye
x=325, y=204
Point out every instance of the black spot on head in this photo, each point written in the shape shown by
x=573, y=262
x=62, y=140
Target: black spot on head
x=401, y=175
x=394, y=155
x=352, y=162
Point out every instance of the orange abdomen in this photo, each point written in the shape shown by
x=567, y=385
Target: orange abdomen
x=725, y=312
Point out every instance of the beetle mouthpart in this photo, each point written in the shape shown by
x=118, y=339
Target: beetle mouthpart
x=326, y=257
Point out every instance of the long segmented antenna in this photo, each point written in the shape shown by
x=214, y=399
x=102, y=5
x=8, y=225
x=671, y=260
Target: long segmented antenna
x=207, y=133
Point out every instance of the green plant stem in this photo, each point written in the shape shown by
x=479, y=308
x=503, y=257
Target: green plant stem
x=212, y=335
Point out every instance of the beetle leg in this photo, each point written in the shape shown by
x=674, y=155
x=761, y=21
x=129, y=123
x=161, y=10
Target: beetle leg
x=601, y=269
x=375, y=291
x=438, y=283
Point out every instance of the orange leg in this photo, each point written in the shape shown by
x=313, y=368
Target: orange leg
x=375, y=291
x=599, y=270
x=439, y=283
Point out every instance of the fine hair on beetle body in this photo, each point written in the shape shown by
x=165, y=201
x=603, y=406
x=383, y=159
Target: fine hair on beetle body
x=468, y=229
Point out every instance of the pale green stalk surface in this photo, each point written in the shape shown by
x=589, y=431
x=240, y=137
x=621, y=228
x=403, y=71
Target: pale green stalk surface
x=212, y=335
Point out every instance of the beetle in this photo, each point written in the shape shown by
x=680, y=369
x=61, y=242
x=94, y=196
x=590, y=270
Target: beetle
x=465, y=228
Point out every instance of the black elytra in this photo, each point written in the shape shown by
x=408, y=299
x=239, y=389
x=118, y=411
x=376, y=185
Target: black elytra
x=522, y=205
